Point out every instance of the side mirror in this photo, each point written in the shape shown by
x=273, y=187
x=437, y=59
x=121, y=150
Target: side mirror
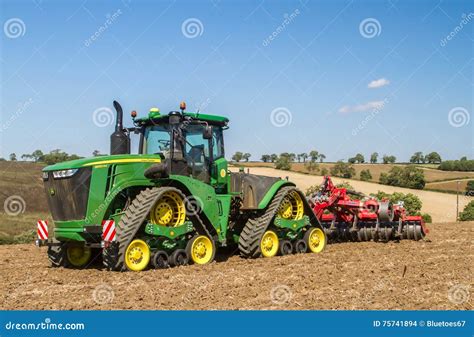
x=207, y=133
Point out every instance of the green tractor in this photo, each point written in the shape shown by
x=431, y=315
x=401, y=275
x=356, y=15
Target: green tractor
x=173, y=203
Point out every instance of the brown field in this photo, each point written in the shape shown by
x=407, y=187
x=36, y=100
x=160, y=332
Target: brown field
x=431, y=173
x=451, y=185
x=432, y=274
x=441, y=206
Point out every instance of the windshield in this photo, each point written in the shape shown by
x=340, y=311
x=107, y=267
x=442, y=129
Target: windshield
x=157, y=140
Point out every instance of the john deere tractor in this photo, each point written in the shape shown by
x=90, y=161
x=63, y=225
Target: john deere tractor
x=173, y=203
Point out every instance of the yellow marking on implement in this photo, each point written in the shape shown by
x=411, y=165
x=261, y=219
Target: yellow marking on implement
x=123, y=161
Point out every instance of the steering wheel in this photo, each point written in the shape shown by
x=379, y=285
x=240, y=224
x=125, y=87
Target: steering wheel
x=166, y=143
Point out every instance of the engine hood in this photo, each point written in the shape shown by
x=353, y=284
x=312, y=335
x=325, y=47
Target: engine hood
x=103, y=160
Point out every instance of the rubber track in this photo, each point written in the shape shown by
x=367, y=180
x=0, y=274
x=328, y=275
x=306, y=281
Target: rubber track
x=131, y=221
x=249, y=241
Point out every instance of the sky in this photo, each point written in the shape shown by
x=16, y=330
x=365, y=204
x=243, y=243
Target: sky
x=339, y=77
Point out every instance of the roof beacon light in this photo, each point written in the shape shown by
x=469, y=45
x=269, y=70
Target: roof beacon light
x=182, y=106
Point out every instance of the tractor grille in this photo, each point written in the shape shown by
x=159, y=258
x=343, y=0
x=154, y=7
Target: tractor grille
x=67, y=197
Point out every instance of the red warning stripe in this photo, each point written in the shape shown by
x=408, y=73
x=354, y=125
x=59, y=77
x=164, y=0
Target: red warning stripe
x=42, y=229
x=108, y=230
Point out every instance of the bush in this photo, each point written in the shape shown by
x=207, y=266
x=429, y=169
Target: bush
x=409, y=176
x=411, y=202
x=345, y=185
x=457, y=165
x=342, y=170
x=365, y=175
x=283, y=163
x=427, y=218
x=468, y=213
x=324, y=171
x=470, y=188
x=312, y=189
x=311, y=166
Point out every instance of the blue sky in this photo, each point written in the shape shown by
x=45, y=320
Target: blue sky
x=340, y=77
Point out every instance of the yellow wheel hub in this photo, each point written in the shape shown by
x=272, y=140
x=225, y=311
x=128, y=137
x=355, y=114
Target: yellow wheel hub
x=269, y=244
x=291, y=207
x=316, y=240
x=202, y=250
x=137, y=255
x=169, y=210
x=78, y=256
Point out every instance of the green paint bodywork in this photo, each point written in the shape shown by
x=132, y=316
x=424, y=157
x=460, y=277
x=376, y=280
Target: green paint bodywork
x=169, y=232
x=293, y=225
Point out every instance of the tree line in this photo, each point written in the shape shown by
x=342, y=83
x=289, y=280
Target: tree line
x=53, y=157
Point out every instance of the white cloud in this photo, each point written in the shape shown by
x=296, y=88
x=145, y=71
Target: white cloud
x=373, y=105
x=378, y=83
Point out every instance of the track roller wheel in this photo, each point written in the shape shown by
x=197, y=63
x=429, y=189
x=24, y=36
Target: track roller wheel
x=160, y=260
x=286, y=247
x=179, y=258
x=315, y=239
x=201, y=250
x=269, y=244
x=301, y=247
x=137, y=255
x=78, y=255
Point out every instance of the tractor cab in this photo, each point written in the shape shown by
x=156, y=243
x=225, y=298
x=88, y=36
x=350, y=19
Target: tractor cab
x=189, y=144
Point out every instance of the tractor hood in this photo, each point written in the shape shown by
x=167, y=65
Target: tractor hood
x=103, y=160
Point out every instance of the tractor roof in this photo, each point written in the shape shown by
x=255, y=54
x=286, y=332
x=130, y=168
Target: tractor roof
x=156, y=117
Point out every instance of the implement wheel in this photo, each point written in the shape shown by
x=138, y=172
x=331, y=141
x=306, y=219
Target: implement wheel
x=315, y=240
x=169, y=210
x=78, y=255
x=137, y=255
x=201, y=249
x=291, y=207
x=269, y=244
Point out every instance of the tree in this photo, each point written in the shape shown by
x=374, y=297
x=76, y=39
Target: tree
x=273, y=157
x=57, y=156
x=283, y=163
x=321, y=157
x=246, y=156
x=409, y=176
x=373, y=158
x=411, y=202
x=292, y=157
x=468, y=213
x=343, y=170
x=360, y=158
x=324, y=171
x=304, y=156
x=470, y=188
x=314, y=155
x=96, y=153
x=237, y=156
x=12, y=156
x=417, y=158
x=26, y=157
x=312, y=166
x=365, y=175
x=389, y=159
x=266, y=158
x=37, y=155
x=457, y=165
x=433, y=158
x=351, y=160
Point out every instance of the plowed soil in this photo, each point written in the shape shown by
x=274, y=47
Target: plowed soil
x=432, y=274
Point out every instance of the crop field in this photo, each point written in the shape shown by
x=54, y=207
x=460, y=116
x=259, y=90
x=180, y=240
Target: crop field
x=431, y=274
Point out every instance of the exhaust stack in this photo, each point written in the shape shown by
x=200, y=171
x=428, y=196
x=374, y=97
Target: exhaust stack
x=119, y=140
